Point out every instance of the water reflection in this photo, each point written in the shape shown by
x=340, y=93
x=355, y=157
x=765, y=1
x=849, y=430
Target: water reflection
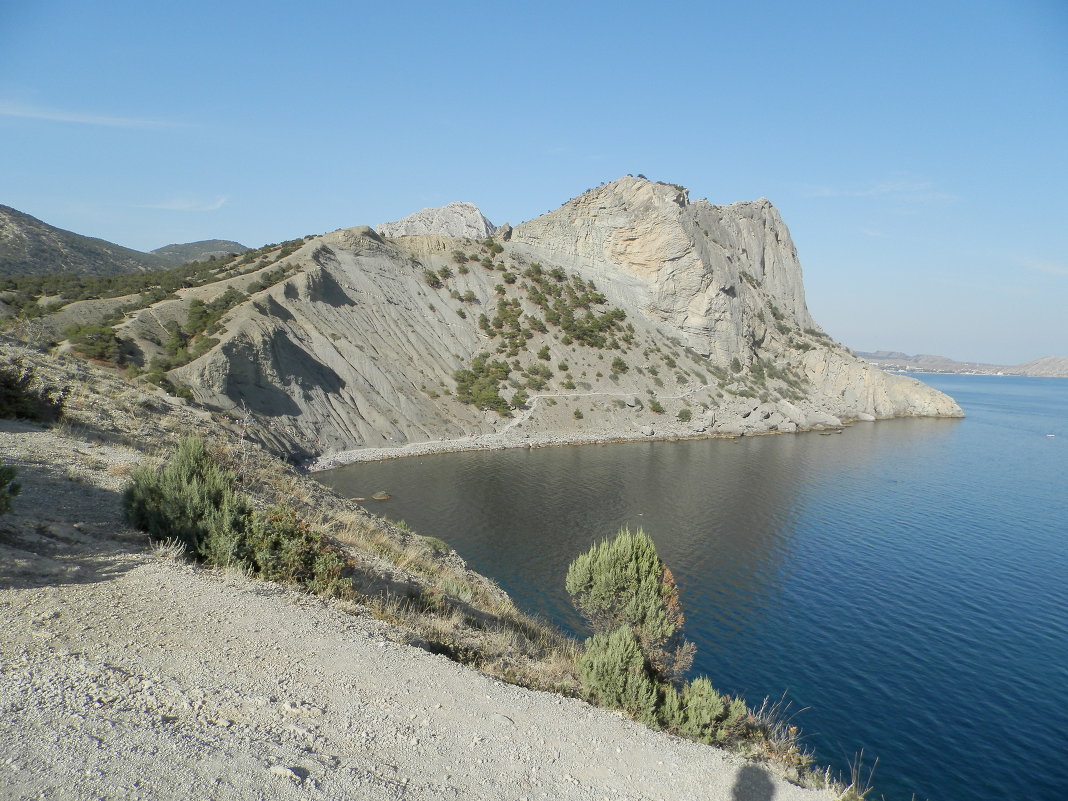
x=723, y=512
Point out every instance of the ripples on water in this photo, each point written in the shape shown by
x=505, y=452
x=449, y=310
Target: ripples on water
x=903, y=581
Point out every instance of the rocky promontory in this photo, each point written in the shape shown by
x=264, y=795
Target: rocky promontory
x=630, y=312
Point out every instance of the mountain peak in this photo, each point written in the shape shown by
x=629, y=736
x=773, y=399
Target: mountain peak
x=456, y=219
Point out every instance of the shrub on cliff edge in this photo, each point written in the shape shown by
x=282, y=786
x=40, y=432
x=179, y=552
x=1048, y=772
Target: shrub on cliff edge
x=622, y=582
x=190, y=500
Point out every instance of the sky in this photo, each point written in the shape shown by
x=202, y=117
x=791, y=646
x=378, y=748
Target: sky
x=918, y=151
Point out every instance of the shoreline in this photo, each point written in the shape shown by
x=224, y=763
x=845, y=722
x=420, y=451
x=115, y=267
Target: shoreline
x=500, y=442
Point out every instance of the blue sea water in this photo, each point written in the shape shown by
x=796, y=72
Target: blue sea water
x=903, y=583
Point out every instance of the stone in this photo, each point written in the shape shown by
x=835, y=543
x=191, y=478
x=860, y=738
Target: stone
x=285, y=772
x=456, y=219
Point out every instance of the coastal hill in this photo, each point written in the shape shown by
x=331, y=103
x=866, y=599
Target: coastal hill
x=29, y=246
x=629, y=312
x=1046, y=367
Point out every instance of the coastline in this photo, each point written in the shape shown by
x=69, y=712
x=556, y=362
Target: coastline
x=503, y=441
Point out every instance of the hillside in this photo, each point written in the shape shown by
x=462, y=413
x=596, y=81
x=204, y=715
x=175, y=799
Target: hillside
x=199, y=251
x=31, y=247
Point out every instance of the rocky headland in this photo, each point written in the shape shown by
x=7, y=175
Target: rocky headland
x=629, y=312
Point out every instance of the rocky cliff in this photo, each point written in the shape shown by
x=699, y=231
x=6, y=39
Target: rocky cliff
x=457, y=219
x=629, y=312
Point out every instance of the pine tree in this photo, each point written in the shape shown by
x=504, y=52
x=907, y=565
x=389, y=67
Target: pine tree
x=622, y=582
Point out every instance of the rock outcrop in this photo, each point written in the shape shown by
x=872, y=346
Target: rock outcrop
x=456, y=219
x=629, y=310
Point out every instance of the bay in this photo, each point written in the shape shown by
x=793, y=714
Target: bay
x=901, y=583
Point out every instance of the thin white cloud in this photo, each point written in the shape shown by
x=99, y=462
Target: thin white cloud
x=188, y=204
x=8, y=109
x=898, y=188
x=873, y=232
x=1048, y=267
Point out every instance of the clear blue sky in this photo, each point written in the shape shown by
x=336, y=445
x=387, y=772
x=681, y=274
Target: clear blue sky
x=917, y=150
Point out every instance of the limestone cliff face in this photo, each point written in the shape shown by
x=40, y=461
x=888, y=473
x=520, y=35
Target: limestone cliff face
x=628, y=312
x=457, y=219
x=724, y=279
x=703, y=270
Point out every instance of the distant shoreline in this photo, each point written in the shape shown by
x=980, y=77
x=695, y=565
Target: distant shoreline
x=493, y=442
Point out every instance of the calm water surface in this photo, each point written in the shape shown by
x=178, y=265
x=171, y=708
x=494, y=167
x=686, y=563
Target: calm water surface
x=903, y=582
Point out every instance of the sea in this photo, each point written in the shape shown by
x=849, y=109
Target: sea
x=901, y=586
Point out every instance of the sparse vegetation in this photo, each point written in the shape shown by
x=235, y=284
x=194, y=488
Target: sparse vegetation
x=479, y=385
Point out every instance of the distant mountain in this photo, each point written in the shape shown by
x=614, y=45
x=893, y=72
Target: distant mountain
x=31, y=247
x=199, y=251
x=1046, y=367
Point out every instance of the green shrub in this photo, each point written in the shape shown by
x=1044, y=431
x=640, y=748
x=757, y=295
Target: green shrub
x=8, y=488
x=190, y=500
x=619, y=366
x=685, y=415
x=577, y=414
x=613, y=672
x=622, y=582
x=655, y=407
x=480, y=383
x=95, y=342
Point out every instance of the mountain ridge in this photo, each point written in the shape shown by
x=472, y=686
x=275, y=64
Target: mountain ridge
x=29, y=246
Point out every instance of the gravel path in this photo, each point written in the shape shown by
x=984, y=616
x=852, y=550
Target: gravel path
x=128, y=674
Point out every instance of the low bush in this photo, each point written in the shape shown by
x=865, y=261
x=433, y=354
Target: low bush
x=613, y=672
x=190, y=500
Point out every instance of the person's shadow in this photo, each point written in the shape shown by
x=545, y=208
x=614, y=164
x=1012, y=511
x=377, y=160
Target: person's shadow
x=752, y=784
